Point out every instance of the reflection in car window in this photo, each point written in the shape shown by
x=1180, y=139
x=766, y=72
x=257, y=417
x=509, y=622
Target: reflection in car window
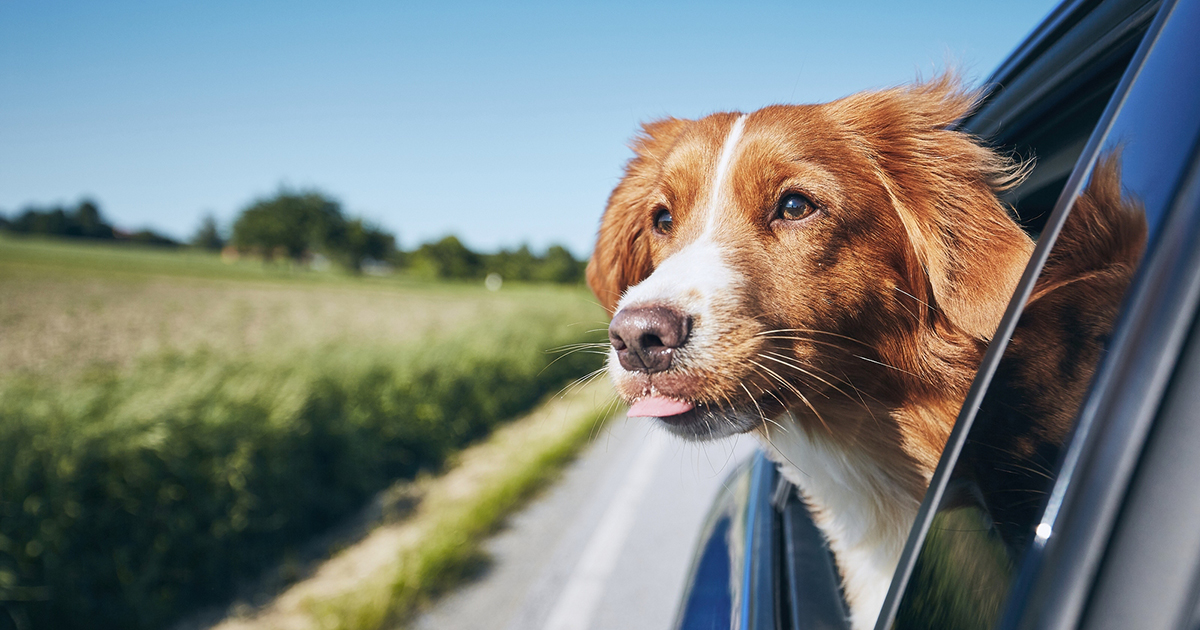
x=997, y=489
x=996, y=492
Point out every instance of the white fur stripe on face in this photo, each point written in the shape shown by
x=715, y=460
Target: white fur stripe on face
x=715, y=196
x=692, y=277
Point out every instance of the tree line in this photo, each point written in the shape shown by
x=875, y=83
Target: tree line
x=82, y=220
x=308, y=227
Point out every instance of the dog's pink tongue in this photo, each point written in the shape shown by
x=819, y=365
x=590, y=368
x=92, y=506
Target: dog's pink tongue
x=658, y=407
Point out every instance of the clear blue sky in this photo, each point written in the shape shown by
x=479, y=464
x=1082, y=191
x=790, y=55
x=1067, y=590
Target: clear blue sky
x=501, y=122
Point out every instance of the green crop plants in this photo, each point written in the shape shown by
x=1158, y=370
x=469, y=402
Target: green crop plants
x=128, y=496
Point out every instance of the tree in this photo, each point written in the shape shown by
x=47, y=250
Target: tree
x=515, y=265
x=362, y=241
x=447, y=258
x=207, y=236
x=88, y=222
x=150, y=237
x=84, y=220
x=296, y=223
x=560, y=266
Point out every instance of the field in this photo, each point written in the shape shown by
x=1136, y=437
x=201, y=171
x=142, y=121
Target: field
x=68, y=306
x=170, y=424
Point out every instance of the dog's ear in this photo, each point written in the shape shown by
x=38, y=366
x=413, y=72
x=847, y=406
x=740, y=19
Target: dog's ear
x=943, y=184
x=621, y=258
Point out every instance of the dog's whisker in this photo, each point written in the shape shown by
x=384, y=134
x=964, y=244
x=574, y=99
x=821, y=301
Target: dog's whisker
x=858, y=392
x=776, y=423
x=728, y=418
x=783, y=404
x=845, y=380
x=1016, y=467
x=592, y=377
x=889, y=366
x=782, y=360
x=916, y=316
x=766, y=435
x=803, y=398
x=927, y=304
x=795, y=362
x=576, y=346
x=808, y=340
x=812, y=331
x=772, y=374
x=568, y=353
x=586, y=378
x=609, y=409
x=1041, y=467
x=761, y=415
x=581, y=382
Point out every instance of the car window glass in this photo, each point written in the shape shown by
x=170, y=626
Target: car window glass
x=988, y=515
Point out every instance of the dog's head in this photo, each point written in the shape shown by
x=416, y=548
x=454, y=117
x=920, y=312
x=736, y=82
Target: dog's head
x=767, y=261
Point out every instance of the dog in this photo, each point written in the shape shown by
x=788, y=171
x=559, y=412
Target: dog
x=826, y=277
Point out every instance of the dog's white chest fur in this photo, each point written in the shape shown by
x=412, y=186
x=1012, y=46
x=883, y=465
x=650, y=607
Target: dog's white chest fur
x=864, y=513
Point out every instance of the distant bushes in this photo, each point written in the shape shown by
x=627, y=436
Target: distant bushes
x=299, y=225
x=450, y=259
x=308, y=226
x=84, y=220
x=127, y=499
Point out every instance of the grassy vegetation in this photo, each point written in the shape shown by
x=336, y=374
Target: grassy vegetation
x=56, y=257
x=143, y=478
x=442, y=541
x=67, y=306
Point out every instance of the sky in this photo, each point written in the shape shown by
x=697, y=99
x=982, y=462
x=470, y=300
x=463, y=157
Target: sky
x=502, y=123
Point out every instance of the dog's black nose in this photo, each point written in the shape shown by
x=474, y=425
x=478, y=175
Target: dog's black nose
x=646, y=338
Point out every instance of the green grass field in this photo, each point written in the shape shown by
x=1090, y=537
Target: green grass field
x=171, y=423
x=66, y=306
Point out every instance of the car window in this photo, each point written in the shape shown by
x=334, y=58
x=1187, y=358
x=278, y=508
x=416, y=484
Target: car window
x=990, y=509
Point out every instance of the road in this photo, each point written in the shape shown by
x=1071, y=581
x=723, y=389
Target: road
x=608, y=547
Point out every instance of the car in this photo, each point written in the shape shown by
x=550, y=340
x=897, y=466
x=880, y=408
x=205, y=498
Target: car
x=1069, y=500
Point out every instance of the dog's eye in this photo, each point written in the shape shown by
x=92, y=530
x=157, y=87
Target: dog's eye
x=795, y=206
x=662, y=221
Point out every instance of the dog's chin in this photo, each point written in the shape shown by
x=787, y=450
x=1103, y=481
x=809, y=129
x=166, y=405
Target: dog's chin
x=703, y=424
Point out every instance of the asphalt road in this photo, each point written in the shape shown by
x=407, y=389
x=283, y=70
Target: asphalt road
x=608, y=547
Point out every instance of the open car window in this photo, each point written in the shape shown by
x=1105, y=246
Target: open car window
x=987, y=506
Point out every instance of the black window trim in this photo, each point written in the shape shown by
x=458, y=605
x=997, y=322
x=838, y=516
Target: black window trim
x=1025, y=86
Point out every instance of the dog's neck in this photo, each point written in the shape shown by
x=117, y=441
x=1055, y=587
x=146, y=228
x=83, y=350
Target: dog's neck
x=863, y=467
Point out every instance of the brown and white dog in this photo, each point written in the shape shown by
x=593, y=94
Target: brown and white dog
x=825, y=276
